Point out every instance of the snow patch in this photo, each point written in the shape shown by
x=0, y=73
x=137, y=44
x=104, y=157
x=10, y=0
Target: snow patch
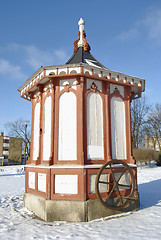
x=17, y=222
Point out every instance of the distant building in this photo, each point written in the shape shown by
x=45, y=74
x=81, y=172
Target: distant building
x=152, y=143
x=10, y=149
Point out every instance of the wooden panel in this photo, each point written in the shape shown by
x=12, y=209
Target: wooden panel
x=67, y=149
x=95, y=148
x=47, y=129
x=36, y=131
x=118, y=132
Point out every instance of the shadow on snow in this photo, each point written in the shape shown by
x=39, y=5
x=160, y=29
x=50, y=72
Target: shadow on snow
x=150, y=194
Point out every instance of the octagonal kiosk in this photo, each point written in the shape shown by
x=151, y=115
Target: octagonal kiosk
x=81, y=165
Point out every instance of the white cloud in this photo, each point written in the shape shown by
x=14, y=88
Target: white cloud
x=150, y=25
x=36, y=57
x=27, y=56
x=60, y=54
x=12, y=71
x=131, y=33
x=152, y=22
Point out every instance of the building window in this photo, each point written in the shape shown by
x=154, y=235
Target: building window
x=5, y=149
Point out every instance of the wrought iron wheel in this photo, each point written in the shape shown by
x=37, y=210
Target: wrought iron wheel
x=111, y=185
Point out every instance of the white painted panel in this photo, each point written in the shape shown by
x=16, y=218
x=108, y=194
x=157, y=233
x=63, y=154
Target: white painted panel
x=36, y=131
x=47, y=129
x=95, y=152
x=42, y=182
x=125, y=180
x=66, y=184
x=95, y=148
x=103, y=187
x=67, y=149
x=31, y=180
x=98, y=84
x=118, y=131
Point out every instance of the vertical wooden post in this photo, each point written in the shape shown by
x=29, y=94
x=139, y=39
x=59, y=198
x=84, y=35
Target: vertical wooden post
x=108, y=123
x=80, y=121
x=51, y=160
x=32, y=129
x=38, y=161
x=130, y=158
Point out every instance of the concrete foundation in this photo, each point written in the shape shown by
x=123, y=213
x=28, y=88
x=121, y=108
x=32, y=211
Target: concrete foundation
x=72, y=211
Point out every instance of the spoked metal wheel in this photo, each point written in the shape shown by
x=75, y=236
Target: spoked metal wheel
x=115, y=184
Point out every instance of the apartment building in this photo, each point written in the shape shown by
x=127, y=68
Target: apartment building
x=152, y=143
x=10, y=149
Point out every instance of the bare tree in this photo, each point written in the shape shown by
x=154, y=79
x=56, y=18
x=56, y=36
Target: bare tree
x=153, y=128
x=139, y=111
x=17, y=129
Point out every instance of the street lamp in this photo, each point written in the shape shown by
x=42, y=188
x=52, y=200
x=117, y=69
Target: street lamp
x=25, y=140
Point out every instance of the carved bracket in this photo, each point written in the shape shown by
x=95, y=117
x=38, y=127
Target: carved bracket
x=75, y=44
x=93, y=87
x=67, y=87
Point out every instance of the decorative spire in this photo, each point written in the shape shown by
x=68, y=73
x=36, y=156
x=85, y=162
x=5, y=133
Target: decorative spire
x=81, y=24
x=81, y=41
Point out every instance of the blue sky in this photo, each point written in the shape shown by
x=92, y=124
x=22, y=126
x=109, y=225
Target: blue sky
x=124, y=35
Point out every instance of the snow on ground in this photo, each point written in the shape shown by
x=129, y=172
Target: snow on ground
x=18, y=223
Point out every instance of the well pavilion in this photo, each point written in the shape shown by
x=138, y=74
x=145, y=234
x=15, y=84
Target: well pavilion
x=80, y=120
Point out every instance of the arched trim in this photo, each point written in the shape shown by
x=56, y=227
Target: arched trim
x=62, y=73
x=52, y=73
x=73, y=72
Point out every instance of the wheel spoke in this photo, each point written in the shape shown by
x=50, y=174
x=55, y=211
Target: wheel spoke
x=104, y=182
x=121, y=175
x=111, y=191
x=118, y=197
x=112, y=173
x=123, y=200
x=119, y=194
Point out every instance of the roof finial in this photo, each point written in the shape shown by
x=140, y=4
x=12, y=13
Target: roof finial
x=81, y=24
x=81, y=41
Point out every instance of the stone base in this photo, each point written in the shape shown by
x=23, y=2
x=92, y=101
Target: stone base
x=72, y=211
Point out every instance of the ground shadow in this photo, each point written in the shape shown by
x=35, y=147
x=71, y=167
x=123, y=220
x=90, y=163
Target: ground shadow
x=150, y=194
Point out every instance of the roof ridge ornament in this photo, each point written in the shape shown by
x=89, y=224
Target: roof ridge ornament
x=81, y=41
